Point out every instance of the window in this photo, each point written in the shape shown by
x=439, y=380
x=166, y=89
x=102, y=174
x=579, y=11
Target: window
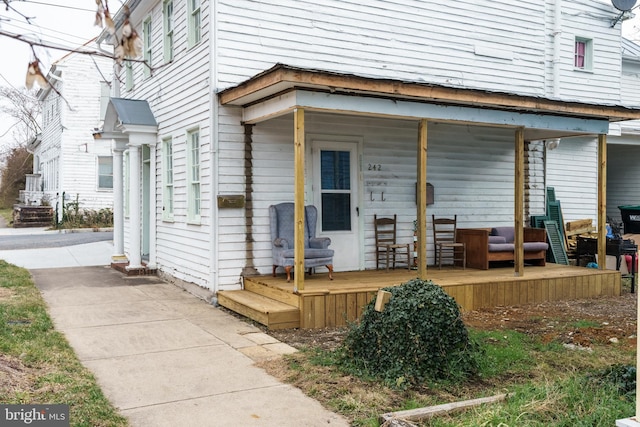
x=168, y=30
x=193, y=175
x=583, y=55
x=146, y=29
x=335, y=185
x=105, y=173
x=195, y=30
x=128, y=76
x=167, y=195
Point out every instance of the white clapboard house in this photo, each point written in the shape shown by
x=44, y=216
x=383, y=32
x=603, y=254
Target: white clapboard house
x=246, y=104
x=69, y=165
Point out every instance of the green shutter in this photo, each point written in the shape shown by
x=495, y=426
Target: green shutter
x=556, y=244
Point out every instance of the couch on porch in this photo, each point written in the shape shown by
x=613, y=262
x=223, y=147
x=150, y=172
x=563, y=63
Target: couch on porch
x=497, y=244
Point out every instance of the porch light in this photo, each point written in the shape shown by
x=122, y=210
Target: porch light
x=552, y=144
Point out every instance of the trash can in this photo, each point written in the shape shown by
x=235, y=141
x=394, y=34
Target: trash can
x=630, y=218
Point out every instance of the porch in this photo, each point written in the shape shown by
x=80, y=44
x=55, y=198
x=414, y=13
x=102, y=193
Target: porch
x=271, y=301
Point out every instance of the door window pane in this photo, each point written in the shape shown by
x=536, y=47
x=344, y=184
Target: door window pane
x=335, y=170
x=336, y=212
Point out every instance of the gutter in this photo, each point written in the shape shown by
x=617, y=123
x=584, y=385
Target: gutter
x=214, y=108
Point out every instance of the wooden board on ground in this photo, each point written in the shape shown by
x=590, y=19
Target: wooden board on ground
x=432, y=411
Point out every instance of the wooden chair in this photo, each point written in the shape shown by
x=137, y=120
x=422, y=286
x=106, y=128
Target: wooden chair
x=388, y=250
x=444, y=240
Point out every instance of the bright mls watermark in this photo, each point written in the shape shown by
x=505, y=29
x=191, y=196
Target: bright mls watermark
x=34, y=415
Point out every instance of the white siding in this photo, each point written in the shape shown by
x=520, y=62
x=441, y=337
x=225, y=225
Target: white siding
x=629, y=84
x=473, y=178
x=69, y=123
x=623, y=178
x=602, y=83
x=179, y=97
x=572, y=170
x=491, y=45
x=460, y=44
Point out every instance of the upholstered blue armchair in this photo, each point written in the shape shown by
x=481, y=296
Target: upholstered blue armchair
x=316, y=249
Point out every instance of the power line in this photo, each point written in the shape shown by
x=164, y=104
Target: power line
x=7, y=81
x=58, y=5
x=49, y=34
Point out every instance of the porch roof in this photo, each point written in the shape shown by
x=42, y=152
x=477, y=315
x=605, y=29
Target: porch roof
x=282, y=88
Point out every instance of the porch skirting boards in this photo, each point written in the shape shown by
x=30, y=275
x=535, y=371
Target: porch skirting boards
x=325, y=303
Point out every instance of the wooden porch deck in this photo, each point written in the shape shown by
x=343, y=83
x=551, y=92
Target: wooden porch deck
x=324, y=303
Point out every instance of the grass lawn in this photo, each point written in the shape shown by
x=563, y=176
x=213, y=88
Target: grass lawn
x=550, y=383
x=7, y=214
x=37, y=365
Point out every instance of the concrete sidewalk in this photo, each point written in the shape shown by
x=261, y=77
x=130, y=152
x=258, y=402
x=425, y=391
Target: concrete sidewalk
x=88, y=254
x=165, y=358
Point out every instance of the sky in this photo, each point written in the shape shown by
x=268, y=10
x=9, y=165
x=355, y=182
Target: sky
x=65, y=23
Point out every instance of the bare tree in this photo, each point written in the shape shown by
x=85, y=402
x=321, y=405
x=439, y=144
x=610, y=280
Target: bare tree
x=18, y=163
x=24, y=109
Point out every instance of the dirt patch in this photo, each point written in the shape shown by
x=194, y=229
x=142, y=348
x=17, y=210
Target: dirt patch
x=605, y=320
x=6, y=293
x=14, y=376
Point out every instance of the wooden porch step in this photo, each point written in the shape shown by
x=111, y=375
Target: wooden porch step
x=269, y=312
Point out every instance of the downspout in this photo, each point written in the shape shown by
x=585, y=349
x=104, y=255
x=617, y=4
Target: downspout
x=557, y=45
x=215, y=146
x=61, y=164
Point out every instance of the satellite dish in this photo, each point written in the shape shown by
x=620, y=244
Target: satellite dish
x=623, y=5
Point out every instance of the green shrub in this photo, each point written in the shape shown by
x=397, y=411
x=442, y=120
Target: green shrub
x=418, y=336
x=73, y=216
x=622, y=377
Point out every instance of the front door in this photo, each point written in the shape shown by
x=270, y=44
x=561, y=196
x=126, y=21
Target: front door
x=336, y=195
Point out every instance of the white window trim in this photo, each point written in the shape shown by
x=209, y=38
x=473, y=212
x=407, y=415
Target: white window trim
x=194, y=31
x=193, y=216
x=147, y=53
x=588, y=54
x=98, y=187
x=168, y=191
x=168, y=30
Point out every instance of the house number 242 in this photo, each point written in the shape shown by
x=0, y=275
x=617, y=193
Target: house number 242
x=373, y=167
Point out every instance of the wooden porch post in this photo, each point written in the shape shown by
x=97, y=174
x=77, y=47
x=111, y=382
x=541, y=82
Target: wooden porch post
x=298, y=199
x=602, y=201
x=519, y=204
x=421, y=251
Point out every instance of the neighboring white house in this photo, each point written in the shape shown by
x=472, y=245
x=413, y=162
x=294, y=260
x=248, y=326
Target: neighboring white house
x=69, y=165
x=235, y=88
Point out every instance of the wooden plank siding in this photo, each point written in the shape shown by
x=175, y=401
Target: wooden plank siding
x=473, y=178
x=572, y=170
x=402, y=40
x=180, y=100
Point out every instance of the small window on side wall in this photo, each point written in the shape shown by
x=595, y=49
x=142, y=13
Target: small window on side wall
x=105, y=173
x=583, y=54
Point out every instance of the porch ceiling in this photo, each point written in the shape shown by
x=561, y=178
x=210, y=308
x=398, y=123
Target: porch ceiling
x=283, y=88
